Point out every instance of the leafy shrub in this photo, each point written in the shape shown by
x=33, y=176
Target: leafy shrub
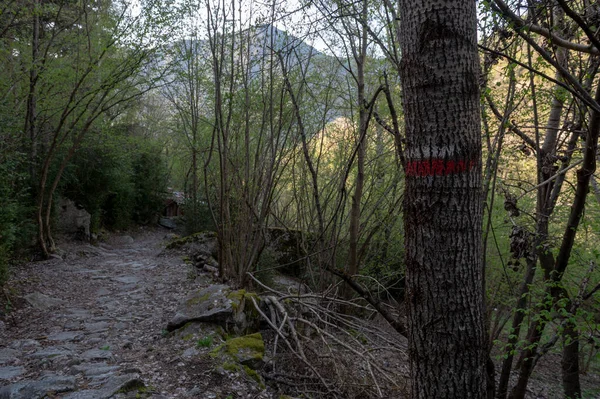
x=16, y=226
x=119, y=180
x=266, y=266
x=149, y=182
x=200, y=220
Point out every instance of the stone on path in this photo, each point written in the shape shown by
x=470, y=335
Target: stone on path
x=65, y=336
x=24, y=344
x=127, y=279
x=6, y=373
x=120, y=383
x=93, y=369
x=38, y=389
x=51, y=352
x=97, y=354
x=102, y=292
x=97, y=327
x=41, y=301
x=8, y=355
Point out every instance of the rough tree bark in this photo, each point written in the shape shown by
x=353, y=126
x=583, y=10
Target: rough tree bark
x=443, y=201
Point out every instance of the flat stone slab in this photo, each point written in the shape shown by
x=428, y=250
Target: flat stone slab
x=8, y=355
x=38, y=389
x=79, y=313
x=98, y=327
x=40, y=301
x=102, y=292
x=93, y=369
x=65, y=336
x=8, y=372
x=97, y=354
x=127, y=279
x=119, y=383
x=50, y=352
x=190, y=352
x=24, y=344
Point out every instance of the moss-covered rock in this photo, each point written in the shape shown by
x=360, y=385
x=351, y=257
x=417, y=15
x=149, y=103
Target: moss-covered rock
x=245, y=352
x=201, y=237
x=218, y=304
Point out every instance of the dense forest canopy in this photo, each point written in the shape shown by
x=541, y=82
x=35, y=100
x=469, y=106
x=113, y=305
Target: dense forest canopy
x=318, y=118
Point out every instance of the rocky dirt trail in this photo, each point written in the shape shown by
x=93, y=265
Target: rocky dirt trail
x=91, y=325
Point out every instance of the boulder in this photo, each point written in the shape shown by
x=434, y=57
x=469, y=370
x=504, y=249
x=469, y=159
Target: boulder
x=74, y=220
x=207, y=305
x=168, y=223
x=217, y=304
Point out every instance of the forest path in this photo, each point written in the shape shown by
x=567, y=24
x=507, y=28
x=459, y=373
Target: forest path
x=91, y=325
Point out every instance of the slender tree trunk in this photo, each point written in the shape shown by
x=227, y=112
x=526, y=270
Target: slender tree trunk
x=515, y=330
x=30, y=117
x=355, y=210
x=443, y=200
x=546, y=168
x=570, y=362
x=581, y=191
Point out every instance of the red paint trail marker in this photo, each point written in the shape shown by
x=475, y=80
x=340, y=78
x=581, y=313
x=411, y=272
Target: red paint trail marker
x=438, y=167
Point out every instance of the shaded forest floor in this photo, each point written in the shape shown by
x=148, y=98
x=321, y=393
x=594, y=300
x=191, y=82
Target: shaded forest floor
x=92, y=325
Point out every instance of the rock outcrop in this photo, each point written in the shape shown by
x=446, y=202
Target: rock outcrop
x=73, y=220
x=220, y=305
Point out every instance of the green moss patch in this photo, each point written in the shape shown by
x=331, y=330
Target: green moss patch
x=241, y=301
x=255, y=376
x=251, y=344
x=197, y=300
x=242, y=349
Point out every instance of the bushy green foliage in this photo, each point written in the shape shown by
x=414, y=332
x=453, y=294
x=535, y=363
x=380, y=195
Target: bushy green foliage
x=205, y=342
x=8, y=214
x=16, y=228
x=267, y=266
x=118, y=179
x=198, y=218
x=149, y=183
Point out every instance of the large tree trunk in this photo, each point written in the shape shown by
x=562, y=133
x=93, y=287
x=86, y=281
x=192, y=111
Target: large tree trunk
x=443, y=201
